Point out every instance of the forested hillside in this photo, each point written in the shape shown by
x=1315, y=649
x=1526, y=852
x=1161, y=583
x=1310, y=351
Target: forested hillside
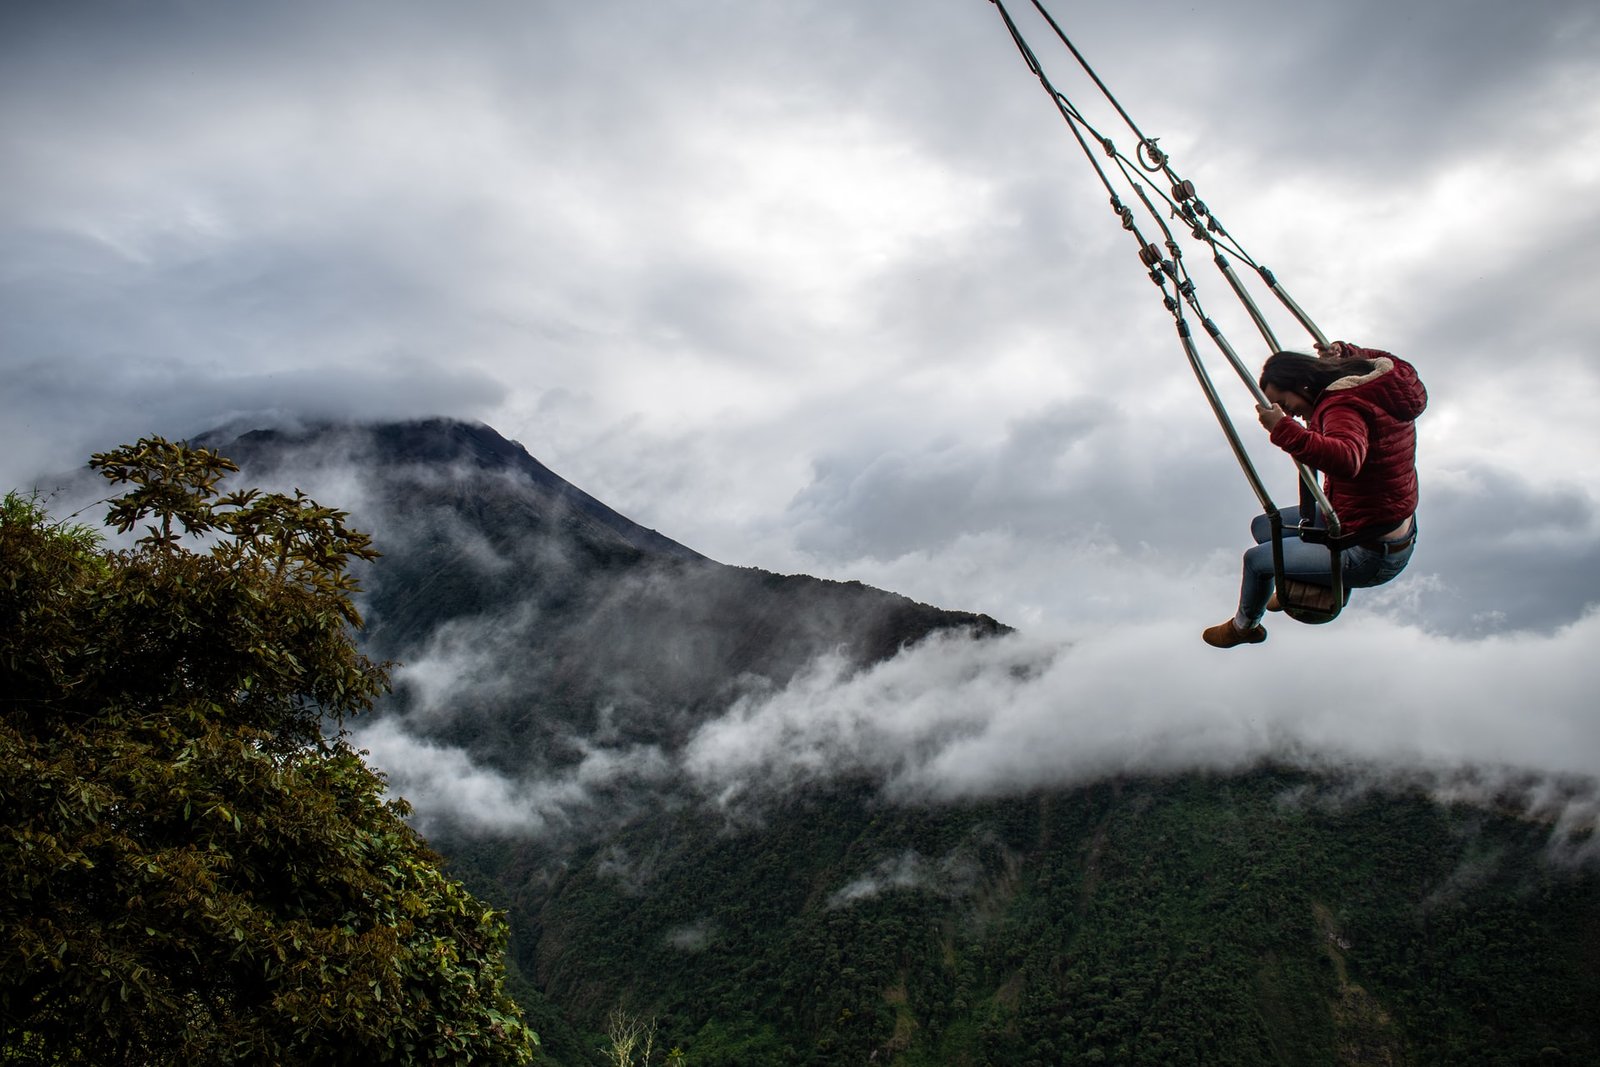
x=1272, y=918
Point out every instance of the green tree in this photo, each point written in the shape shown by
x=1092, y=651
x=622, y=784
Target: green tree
x=194, y=868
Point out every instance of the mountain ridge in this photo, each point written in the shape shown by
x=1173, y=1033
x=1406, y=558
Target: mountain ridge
x=584, y=613
x=441, y=441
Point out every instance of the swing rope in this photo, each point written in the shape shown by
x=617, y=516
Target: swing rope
x=1170, y=274
x=1184, y=201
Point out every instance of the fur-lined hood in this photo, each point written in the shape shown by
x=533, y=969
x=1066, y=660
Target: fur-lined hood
x=1362, y=436
x=1391, y=385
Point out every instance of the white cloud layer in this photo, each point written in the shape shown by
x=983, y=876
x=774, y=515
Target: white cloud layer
x=1505, y=719
x=957, y=718
x=446, y=786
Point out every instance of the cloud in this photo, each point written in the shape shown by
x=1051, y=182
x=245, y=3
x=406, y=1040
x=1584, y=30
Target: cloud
x=1057, y=472
x=1510, y=555
x=956, y=719
x=955, y=874
x=463, y=664
x=694, y=937
x=1502, y=722
x=451, y=791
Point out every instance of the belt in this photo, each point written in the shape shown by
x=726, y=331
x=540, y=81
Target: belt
x=1398, y=545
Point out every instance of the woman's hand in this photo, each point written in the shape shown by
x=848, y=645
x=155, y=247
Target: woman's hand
x=1332, y=350
x=1270, y=415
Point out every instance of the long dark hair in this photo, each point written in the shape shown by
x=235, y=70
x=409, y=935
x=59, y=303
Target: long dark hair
x=1308, y=376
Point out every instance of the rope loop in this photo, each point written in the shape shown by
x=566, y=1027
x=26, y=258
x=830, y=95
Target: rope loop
x=1151, y=157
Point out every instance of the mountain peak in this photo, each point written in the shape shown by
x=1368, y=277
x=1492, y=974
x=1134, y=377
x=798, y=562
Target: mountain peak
x=389, y=448
x=528, y=613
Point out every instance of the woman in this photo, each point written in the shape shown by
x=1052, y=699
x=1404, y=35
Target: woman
x=1359, y=407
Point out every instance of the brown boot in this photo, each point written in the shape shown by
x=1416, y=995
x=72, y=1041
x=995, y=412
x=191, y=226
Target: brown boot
x=1225, y=635
x=1274, y=604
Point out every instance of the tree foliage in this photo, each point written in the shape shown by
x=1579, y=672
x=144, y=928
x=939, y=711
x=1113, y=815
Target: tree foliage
x=191, y=871
x=1273, y=917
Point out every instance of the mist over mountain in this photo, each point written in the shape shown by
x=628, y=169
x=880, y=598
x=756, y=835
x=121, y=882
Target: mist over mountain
x=809, y=821
x=537, y=631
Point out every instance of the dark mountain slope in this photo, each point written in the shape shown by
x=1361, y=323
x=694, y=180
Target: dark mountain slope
x=490, y=558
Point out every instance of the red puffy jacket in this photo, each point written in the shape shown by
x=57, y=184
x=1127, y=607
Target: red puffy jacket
x=1362, y=435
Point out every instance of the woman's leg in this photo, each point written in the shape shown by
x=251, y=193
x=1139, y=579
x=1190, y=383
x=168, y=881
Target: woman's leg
x=1301, y=561
x=1261, y=525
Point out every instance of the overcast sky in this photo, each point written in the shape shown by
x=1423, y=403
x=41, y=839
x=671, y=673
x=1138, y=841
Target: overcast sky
x=827, y=286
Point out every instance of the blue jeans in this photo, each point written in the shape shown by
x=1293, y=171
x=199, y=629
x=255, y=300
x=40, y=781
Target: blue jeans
x=1363, y=567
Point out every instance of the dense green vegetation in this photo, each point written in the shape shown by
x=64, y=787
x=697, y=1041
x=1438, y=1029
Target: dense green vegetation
x=1265, y=919
x=191, y=872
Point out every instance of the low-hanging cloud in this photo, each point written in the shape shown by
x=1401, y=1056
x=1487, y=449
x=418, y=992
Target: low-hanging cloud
x=450, y=791
x=954, y=719
x=694, y=937
x=953, y=875
x=1506, y=720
